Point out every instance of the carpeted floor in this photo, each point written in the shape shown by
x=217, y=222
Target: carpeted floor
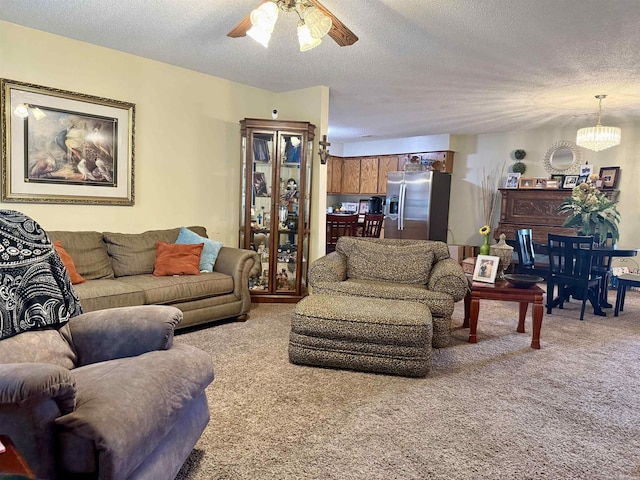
x=493, y=410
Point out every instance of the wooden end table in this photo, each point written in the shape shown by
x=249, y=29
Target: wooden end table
x=11, y=462
x=504, y=291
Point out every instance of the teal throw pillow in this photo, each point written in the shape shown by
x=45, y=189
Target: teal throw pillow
x=209, y=251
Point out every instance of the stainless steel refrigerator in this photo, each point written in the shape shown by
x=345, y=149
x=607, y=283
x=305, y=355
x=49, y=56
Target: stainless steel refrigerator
x=417, y=205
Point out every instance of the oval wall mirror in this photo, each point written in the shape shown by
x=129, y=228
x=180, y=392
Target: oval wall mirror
x=563, y=157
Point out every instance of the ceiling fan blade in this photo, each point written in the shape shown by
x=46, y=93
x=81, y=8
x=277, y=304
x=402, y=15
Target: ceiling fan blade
x=339, y=32
x=240, y=30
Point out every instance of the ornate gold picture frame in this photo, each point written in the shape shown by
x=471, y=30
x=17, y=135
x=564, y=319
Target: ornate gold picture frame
x=65, y=147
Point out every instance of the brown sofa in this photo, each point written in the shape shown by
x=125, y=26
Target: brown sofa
x=118, y=268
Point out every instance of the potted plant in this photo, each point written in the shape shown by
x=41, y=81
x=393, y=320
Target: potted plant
x=591, y=212
x=519, y=166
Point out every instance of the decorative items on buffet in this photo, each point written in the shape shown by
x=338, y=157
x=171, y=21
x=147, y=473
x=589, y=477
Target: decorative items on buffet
x=607, y=179
x=591, y=212
x=519, y=166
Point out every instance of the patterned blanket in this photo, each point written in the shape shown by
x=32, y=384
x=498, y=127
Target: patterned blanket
x=35, y=289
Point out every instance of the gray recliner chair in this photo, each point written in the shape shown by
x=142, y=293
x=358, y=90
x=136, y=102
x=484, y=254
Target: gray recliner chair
x=100, y=395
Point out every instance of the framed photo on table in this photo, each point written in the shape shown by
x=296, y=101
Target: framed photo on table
x=609, y=177
x=512, y=180
x=65, y=147
x=363, y=207
x=540, y=182
x=526, y=182
x=570, y=181
x=486, y=268
x=586, y=170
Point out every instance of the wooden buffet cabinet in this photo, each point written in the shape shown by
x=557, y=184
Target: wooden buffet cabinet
x=536, y=209
x=368, y=175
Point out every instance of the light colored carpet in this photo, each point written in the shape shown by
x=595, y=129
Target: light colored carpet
x=493, y=410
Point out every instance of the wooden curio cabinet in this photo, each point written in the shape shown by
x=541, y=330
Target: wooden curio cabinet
x=275, y=205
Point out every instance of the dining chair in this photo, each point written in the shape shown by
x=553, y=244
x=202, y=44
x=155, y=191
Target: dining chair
x=526, y=255
x=570, y=269
x=339, y=225
x=372, y=224
x=626, y=280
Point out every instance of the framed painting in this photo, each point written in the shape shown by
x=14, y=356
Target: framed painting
x=363, y=207
x=65, y=147
x=551, y=184
x=609, y=177
x=486, y=268
x=512, y=180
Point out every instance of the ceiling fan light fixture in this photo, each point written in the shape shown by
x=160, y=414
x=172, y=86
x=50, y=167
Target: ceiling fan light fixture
x=598, y=138
x=318, y=23
x=307, y=42
x=260, y=35
x=263, y=20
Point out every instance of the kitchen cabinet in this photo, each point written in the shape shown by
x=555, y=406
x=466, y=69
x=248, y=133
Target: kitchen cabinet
x=386, y=164
x=351, y=175
x=275, y=205
x=334, y=174
x=369, y=175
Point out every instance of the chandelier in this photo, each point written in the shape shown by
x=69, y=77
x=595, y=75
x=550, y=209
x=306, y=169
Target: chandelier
x=312, y=26
x=598, y=138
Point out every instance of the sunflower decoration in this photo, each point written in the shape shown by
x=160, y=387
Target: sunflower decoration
x=485, y=230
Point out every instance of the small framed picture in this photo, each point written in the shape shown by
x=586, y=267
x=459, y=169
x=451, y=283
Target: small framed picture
x=260, y=185
x=609, y=177
x=512, y=180
x=582, y=179
x=486, y=268
x=552, y=184
x=570, y=181
x=526, y=182
x=586, y=170
x=363, y=207
x=558, y=178
x=540, y=182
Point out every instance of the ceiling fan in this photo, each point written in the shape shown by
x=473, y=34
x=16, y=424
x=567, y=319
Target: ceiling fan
x=315, y=22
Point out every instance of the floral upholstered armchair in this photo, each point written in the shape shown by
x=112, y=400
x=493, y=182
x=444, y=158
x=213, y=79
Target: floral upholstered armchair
x=98, y=395
x=414, y=270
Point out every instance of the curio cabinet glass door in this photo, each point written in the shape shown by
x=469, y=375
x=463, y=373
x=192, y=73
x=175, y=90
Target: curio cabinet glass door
x=275, y=205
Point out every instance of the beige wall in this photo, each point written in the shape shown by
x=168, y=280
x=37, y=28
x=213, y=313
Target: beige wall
x=187, y=140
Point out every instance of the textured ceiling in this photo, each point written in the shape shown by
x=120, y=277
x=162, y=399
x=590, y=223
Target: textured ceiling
x=421, y=67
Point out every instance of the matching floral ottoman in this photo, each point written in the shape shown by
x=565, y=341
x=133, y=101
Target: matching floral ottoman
x=366, y=334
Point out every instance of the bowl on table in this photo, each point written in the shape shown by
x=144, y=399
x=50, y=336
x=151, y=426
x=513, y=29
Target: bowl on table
x=523, y=281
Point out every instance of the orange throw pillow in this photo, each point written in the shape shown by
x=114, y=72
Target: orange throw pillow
x=68, y=263
x=177, y=259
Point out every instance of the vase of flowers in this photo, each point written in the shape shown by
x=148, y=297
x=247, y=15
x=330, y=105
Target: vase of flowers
x=591, y=212
x=485, y=248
